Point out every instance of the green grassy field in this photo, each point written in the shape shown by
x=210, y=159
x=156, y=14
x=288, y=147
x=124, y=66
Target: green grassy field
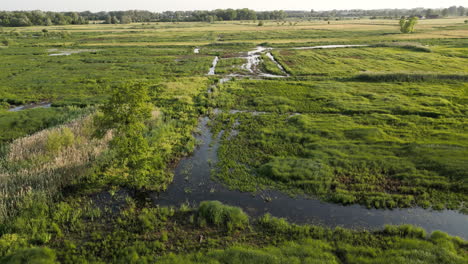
x=383, y=126
x=379, y=144
x=351, y=61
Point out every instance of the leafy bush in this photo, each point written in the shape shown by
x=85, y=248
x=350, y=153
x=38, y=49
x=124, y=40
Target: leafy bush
x=10, y=243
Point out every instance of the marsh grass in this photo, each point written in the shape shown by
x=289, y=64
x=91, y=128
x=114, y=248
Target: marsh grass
x=408, y=77
x=378, y=144
x=397, y=142
x=47, y=161
x=388, y=58
x=218, y=214
x=405, y=45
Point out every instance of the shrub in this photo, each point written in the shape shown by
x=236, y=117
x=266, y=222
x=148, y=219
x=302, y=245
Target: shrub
x=10, y=243
x=343, y=197
x=407, y=25
x=409, y=231
x=274, y=224
x=218, y=214
x=150, y=218
x=31, y=256
x=59, y=139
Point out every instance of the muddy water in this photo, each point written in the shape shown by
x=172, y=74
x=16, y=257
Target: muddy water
x=192, y=184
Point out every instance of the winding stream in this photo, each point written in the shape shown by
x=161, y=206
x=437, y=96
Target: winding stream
x=193, y=184
x=254, y=59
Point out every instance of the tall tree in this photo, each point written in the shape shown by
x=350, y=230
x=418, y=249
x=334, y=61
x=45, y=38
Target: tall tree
x=461, y=11
x=407, y=25
x=126, y=20
x=125, y=114
x=108, y=20
x=115, y=20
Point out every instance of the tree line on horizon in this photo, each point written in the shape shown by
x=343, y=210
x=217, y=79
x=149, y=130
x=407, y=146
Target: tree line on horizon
x=41, y=18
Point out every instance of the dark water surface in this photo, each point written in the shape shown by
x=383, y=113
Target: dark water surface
x=192, y=184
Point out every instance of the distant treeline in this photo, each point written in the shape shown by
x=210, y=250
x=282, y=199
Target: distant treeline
x=39, y=18
x=383, y=13
x=30, y=18
x=180, y=16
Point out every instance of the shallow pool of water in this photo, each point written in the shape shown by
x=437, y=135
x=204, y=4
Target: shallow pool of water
x=30, y=106
x=213, y=66
x=330, y=47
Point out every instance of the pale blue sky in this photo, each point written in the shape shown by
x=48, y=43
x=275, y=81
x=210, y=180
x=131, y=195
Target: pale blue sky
x=174, y=5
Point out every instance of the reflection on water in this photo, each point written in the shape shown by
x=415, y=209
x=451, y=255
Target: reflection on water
x=192, y=184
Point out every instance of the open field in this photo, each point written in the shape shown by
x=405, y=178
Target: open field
x=111, y=113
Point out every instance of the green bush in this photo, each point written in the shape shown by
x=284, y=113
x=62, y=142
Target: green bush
x=405, y=231
x=31, y=256
x=218, y=214
x=10, y=243
x=59, y=139
x=274, y=224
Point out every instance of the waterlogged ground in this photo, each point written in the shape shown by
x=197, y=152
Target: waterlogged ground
x=193, y=184
x=350, y=113
x=193, y=176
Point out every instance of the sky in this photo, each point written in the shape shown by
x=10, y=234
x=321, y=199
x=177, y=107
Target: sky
x=180, y=5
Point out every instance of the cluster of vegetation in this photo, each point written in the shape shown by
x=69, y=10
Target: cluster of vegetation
x=218, y=214
x=378, y=144
x=30, y=18
x=381, y=58
x=120, y=231
x=22, y=123
x=39, y=18
x=407, y=24
x=46, y=162
x=84, y=78
x=383, y=13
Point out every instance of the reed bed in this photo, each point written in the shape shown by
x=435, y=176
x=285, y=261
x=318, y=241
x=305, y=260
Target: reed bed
x=47, y=161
